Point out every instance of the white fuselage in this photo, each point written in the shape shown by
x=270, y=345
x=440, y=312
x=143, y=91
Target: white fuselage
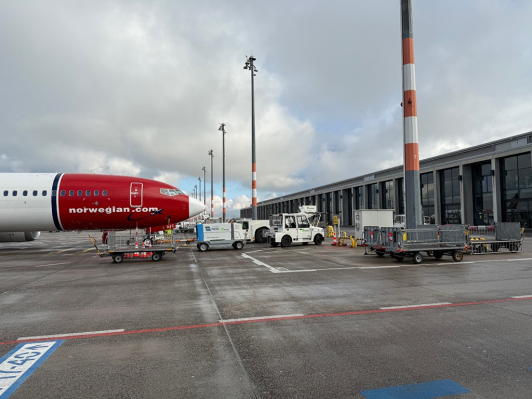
x=31, y=208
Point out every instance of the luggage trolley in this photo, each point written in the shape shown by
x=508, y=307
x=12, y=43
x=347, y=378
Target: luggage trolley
x=121, y=247
x=450, y=240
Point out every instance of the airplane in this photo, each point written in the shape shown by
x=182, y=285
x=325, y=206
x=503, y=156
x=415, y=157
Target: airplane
x=35, y=202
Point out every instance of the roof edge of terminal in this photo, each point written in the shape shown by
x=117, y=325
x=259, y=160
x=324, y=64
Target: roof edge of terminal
x=371, y=176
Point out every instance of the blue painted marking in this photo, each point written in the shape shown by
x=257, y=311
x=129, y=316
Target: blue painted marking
x=34, y=348
x=425, y=390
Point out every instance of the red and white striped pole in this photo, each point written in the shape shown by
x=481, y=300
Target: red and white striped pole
x=410, y=135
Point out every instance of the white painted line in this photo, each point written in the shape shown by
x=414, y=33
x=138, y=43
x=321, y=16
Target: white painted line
x=416, y=306
x=375, y=267
x=261, y=318
x=522, y=296
x=55, y=264
x=258, y=262
x=70, y=335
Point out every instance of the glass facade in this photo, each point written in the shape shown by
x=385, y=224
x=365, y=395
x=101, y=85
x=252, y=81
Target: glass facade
x=450, y=196
x=516, y=183
x=372, y=196
x=483, y=194
x=427, y=196
x=400, y=186
x=388, y=195
x=359, y=203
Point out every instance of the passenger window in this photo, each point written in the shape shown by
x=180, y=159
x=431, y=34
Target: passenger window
x=25, y=193
x=6, y=193
x=63, y=192
x=96, y=193
x=14, y=193
x=80, y=193
x=44, y=193
x=104, y=193
x=35, y=193
x=54, y=193
x=88, y=193
x=71, y=193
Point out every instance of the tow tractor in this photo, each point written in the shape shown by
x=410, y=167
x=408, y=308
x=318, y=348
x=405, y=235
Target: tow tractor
x=288, y=228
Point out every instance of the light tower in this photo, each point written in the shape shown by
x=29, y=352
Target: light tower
x=410, y=137
x=249, y=65
x=212, y=184
x=199, y=179
x=222, y=129
x=204, y=187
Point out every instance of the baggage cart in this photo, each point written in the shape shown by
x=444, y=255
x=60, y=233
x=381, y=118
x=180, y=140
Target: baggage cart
x=499, y=238
x=120, y=246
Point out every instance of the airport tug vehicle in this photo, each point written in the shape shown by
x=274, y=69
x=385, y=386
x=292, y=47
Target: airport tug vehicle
x=288, y=228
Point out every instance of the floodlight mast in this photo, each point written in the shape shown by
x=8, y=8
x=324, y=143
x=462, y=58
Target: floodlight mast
x=222, y=129
x=199, y=179
x=212, y=184
x=249, y=65
x=204, y=187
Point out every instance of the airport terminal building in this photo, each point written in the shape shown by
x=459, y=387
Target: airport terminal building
x=479, y=185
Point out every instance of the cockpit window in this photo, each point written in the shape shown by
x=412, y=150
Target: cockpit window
x=171, y=192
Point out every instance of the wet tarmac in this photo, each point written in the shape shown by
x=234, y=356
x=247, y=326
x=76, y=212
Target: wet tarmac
x=298, y=322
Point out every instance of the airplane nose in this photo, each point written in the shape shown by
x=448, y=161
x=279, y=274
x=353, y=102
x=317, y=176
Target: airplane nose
x=195, y=207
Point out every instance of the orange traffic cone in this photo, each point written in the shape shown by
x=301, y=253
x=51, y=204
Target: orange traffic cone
x=136, y=255
x=334, y=239
x=143, y=254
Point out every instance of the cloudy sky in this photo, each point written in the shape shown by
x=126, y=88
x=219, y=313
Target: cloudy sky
x=140, y=87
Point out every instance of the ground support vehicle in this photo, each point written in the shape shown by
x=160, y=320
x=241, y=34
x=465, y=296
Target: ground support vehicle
x=256, y=230
x=432, y=240
x=371, y=217
x=288, y=228
x=502, y=237
x=220, y=236
x=120, y=247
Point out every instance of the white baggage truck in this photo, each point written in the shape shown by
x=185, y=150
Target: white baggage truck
x=220, y=236
x=288, y=228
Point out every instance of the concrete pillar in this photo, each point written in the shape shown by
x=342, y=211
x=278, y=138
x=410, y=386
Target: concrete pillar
x=467, y=195
x=437, y=196
x=497, y=190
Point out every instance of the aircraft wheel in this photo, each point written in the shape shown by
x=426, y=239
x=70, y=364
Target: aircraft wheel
x=118, y=258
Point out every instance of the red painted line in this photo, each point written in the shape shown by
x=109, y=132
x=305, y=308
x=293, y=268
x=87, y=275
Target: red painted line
x=281, y=318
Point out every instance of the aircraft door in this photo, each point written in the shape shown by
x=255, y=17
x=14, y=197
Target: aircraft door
x=135, y=195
